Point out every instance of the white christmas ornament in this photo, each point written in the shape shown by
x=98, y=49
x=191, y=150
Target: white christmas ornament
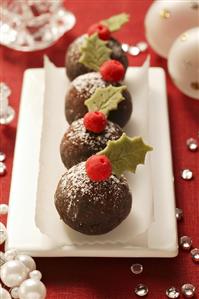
x=183, y=62
x=27, y=261
x=166, y=20
x=4, y=294
x=13, y=273
x=32, y=289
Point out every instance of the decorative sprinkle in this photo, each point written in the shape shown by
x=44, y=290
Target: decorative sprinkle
x=179, y=214
x=172, y=292
x=141, y=290
x=185, y=243
x=165, y=13
x=3, y=209
x=186, y=174
x=2, y=157
x=195, y=85
x=195, y=255
x=3, y=169
x=136, y=268
x=188, y=290
x=192, y=144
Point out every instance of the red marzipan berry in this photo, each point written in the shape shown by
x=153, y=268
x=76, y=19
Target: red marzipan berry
x=95, y=121
x=98, y=168
x=102, y=30
x=112, y=71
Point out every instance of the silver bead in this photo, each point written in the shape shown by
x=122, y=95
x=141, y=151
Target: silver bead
x=10, y=254
x=136, y=268
x=35, y=275
x=15, y=293
x=195, y=255
x=3, y=209
x=186, y=174
x=3, y=168
x=4, y=294
x=172, y=292
x=134, y=50
x=179, y=214
x=2, y=156
x=13, y=273
x=192, y=144
x=141, y=290
x=185, y=242
x=142, y=46
x=7, y=113
x=3, y=233
x=125, y=47
x=32, y=286
x=188, y=290
x=2, y=258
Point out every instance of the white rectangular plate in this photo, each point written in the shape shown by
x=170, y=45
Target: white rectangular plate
x=22, y=231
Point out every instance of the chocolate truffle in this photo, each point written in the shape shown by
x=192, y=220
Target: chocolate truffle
x=74, y=68
x=78, y=144
x=89, y=207
x=82, y=88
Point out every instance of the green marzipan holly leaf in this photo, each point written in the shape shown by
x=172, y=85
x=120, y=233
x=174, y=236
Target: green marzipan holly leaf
x=114, y=23
x=105, y=99
x=126, y=153
x=94, y=52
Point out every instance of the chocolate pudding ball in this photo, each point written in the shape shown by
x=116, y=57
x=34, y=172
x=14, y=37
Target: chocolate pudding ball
x=82, y=88
x=78, y=144
x=89, y=207
x=74, y=68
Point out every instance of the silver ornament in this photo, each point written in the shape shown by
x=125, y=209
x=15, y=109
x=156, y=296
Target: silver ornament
x=13, y=273
x=172, y=292
x=27, y=261
x=188, y=290
x=186, y=174
x=195, y=255
x=32, y=288
x=3, y=209
x=185, y=242
x=136, y=268
x=3, y=169
x=141, y=290
x=192, y=144
x=179, y=214
x=3, y=233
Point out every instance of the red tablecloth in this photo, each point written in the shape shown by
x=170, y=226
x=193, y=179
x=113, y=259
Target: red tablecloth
x=97, y=278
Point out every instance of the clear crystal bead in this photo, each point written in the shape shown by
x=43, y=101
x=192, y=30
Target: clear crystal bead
x=125, y=47
x=3, y=233
x=192, y=144
x=179, y=214
x=5, y=91
x=185, y=242
x=134, y=50
x=2, y=156
x=141, y=290
x=142, y=46
x=195, y=255
x=188, y=290
x=187, y=174
x=172, y=292
x=136, y=268
x=3, y=209
x=2, y=168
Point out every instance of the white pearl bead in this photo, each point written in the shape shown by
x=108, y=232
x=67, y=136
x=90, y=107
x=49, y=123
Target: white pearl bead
x=3, y=209
x=32, y=289
x=4, y=294
x=15, y=293
x=35, y=275
x=13, y=273
x=27, y=261
x=3, y=233
x=10, y=254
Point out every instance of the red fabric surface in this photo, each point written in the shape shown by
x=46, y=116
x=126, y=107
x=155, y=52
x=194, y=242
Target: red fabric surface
x=97, y=278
